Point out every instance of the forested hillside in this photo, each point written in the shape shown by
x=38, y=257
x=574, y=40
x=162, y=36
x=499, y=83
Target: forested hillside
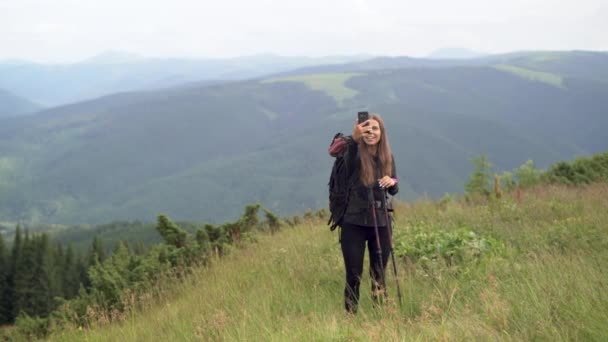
x=201, y=153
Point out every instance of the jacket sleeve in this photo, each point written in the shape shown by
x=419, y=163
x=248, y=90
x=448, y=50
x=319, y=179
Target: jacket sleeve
x=393, y=190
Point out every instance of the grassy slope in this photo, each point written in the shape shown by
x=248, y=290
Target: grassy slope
x=331, y=84
x=545, y=77
x=548, y=282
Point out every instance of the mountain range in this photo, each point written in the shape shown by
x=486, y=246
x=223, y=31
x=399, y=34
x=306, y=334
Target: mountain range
x=12, y=105
x=201, y=151
x=114, y=71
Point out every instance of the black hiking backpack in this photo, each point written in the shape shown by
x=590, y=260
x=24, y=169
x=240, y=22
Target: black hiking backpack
x=339, y=185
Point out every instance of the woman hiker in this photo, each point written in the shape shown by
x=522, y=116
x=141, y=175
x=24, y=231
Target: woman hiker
x=371, y=165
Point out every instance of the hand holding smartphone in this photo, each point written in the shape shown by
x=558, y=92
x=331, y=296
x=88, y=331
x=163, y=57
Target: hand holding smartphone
x=362, y=116
x=358, y=130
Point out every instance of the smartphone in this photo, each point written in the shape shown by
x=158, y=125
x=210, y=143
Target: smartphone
x=363, y=116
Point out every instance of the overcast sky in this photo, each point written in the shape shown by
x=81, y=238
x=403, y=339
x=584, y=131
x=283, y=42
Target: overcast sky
x=71, y=30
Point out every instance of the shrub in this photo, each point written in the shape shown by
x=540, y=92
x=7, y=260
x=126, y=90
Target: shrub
x=480, y=183
x=32, y=327
x=272, y=221
x=434, y=249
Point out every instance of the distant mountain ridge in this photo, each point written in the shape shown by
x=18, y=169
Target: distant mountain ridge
x=113, y=57
x=455, y=53
x=113, y=72
x=585, y=64
x=11, y=105
x=203, y=151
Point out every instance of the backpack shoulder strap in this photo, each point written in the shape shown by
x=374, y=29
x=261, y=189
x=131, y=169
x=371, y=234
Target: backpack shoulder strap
x=338, y=145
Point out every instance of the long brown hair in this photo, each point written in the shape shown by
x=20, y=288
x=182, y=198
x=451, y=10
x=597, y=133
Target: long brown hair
x=383, y=152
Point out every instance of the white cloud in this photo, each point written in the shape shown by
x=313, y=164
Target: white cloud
x=67, y=30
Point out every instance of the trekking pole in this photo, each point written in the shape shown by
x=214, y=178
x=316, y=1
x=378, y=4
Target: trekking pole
x=372, y=203
x=389, y=226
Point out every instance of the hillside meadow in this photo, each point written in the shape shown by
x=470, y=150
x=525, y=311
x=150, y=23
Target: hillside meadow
x=528, y=266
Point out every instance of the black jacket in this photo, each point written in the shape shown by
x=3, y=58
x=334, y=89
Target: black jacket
x=358, y=210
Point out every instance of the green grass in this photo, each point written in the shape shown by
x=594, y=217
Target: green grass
x=331, y=84
x=539, y=76
x=546, y=280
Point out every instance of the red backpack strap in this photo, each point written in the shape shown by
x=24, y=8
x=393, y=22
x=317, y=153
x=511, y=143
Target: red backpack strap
x=338, y=145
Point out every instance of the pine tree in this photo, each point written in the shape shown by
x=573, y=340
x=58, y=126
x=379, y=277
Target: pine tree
x=96, y=255
x=57, y=274
x=527, y=174
x=4, y=274
x=249, y=220
x=110, y=278
x=25, y=265
x=9, y=297
x=97, y=252
x=140, y=248
x=172, y=234
x=480, y=181
x=40, y=281
x=71, y=281
x=273, y=221
x=121, y=257
x=82, y=271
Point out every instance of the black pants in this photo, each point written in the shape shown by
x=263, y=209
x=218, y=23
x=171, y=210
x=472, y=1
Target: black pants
x=353, y=239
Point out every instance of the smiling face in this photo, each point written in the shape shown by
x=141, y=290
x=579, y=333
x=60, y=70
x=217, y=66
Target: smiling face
x=372, y=133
